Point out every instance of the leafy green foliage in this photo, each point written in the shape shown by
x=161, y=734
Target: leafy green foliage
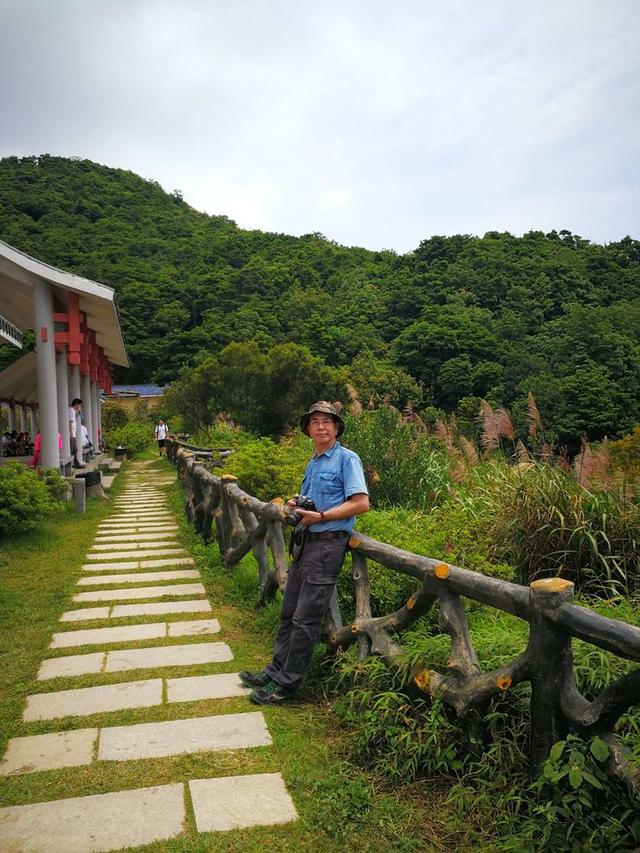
x=494, y=316
x=626, y=452
x=113, y=416
x=404, y=465
x=134, y=435
x=547, y=524
x=57, y=486
x=573, y=805
x=25, y=498
x=265, y=392
x=269, y=470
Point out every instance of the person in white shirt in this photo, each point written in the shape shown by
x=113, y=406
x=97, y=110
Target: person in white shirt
x=86, y=441
x=76, y=452
x=161, y=431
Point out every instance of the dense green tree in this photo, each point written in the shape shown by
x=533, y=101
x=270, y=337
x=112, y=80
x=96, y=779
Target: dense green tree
x=459, y=317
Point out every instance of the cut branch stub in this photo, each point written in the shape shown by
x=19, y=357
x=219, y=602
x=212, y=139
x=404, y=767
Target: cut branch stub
x=551, y=661
x=442, y=571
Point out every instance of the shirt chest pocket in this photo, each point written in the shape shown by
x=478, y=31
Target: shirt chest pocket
x=330, y=484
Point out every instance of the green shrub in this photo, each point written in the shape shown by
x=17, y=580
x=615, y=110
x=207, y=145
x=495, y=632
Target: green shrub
x=456, y=532
x=114, y=415
x=58, y=487
x=404, y=465
x=268, y=470
x=135, y=436
x=24, y=499
x=547, y=524
x=497, y=804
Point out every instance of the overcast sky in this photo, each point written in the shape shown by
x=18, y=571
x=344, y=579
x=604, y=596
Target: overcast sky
x=376, y=123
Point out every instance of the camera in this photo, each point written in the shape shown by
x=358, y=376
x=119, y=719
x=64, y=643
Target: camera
x=293, y=518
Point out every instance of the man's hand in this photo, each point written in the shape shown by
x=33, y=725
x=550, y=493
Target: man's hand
x=309, y=516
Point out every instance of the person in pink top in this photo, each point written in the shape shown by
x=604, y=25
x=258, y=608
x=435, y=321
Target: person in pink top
x=36, y=449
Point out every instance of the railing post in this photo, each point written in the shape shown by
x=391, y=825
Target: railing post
x=79, y=494
x=551, y=659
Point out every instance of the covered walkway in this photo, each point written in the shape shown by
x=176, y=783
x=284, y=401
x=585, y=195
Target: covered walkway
x=78, y=339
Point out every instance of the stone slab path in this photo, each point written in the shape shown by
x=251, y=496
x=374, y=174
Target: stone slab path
x=140, y=534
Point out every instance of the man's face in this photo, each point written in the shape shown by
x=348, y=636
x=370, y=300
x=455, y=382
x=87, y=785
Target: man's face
x=322, y=429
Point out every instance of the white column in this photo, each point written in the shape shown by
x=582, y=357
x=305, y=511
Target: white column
x=23, y=419
x=74, y=391
x=85, y=383
x=46, y=364
x=32, y=421
x=62, y=379
x=11, y=414
x=94, y=417
x=100, y=436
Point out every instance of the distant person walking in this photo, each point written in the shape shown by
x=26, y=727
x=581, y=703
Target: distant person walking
x=161, y=431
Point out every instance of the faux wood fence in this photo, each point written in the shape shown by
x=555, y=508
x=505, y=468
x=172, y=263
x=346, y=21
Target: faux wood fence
x=242, y=524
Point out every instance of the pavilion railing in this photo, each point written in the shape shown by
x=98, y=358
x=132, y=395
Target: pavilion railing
x=242, y=524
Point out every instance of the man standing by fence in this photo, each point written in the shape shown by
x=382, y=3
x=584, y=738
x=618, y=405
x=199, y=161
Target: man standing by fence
x=334, y=481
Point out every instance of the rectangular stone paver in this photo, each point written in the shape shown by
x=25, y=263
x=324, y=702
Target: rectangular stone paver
x=135, y=529
x=147, y=554
x=195, y=687
x=159, y=531
x=156, y=608
x=171, y=590
x=85, y=614
x=174, y=561
x=71, y=665
x=107, y=550
x=136, y=537
x=97, y=823
x=192, y=629
x=178, y=737
x=48, y=752
x=140, y=521
x=142, y=518
x=140, y=501
x=193, y=653
x=118, y=526
x=147, y=658
x=97, y=636
x=142, y=514
x=121, y=566
x=131, y=499
x=93, y=700
x=234, y=802
x=139, y=563
x=141, y=577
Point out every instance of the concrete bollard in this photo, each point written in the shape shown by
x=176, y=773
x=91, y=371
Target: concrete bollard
x=80, y=495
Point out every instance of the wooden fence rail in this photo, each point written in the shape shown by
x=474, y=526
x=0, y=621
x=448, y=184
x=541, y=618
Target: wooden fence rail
x=242, y=524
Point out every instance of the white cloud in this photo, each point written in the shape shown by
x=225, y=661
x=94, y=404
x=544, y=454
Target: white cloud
x=373, y=123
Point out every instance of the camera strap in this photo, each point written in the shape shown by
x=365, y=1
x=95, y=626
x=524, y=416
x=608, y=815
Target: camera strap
x=298, y=541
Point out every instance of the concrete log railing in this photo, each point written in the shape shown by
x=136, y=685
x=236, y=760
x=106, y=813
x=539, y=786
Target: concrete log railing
x=242, y=524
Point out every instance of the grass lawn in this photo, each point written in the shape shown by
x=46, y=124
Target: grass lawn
x=341, y=807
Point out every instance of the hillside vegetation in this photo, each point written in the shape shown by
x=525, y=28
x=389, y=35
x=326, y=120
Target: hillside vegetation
x=458, y=319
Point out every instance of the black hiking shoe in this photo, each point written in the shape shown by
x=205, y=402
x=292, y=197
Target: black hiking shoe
x=271, y=694
x=254, y=679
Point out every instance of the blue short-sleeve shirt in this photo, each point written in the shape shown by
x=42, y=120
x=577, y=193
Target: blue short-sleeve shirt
x=330, y=478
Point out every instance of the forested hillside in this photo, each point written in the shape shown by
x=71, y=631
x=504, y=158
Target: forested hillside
x=465, y=317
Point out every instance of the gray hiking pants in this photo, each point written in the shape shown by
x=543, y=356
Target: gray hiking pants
x=310, y=585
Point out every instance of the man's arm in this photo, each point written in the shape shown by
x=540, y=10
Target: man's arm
x=355, y=505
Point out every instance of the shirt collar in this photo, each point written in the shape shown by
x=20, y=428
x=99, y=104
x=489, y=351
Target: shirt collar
x=329, y=452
